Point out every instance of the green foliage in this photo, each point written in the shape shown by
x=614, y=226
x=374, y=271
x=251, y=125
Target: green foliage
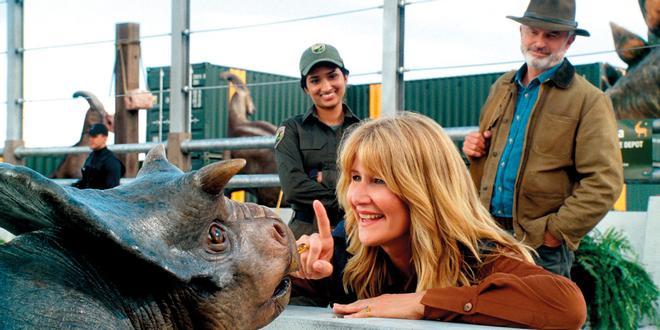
x=618, y=290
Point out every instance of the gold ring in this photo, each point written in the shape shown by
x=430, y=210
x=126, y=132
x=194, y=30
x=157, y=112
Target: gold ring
x=302, y=248
x=367, y=309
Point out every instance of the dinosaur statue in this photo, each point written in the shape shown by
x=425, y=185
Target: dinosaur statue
x=259, y=161
x=165, y=251
x=635, y=95
x=70, y=166
x=240, y=108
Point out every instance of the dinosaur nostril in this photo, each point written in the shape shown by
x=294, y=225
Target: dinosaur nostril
x=279, y=233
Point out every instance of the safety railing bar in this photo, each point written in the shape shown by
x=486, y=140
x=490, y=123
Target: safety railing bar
x=251, y=142
x=22, y=152
x=238, y=181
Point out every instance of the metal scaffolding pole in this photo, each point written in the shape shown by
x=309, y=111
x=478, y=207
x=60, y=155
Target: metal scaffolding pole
x=14, y=80
x=393, y=38
x=180, y=87
x=221, y=144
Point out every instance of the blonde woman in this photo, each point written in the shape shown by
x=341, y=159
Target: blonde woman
x=418, y=242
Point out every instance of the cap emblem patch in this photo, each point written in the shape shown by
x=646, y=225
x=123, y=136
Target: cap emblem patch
x=318, y=48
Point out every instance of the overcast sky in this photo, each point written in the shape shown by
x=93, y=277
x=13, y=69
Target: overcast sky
x=438, y=34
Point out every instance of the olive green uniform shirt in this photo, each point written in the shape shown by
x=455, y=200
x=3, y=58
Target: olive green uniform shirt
x=305, y=146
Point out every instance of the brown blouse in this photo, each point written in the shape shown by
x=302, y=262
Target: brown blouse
x=511, y=292
x=507, y=292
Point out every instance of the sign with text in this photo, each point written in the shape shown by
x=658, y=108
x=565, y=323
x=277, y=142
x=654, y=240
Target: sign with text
x=636, y=143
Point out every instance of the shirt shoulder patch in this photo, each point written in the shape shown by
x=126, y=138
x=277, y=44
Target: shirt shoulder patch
x=279, y=135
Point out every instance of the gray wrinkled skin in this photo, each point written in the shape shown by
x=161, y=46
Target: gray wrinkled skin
x=635, y=95
x=140, y=255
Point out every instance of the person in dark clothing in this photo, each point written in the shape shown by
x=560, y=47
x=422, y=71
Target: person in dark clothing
x=102, y=169
x=306, y=144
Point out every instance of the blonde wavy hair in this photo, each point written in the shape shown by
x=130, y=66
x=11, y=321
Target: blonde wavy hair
x=421, y=165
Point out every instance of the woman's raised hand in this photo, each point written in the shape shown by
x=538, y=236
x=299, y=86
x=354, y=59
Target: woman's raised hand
x=316, y=249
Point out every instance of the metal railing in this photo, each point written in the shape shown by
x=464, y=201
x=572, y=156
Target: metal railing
x=254, y=142
x=238, y=181
x=22, y=152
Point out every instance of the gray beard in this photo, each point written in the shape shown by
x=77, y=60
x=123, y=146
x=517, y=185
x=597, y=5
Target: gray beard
x=542, y=64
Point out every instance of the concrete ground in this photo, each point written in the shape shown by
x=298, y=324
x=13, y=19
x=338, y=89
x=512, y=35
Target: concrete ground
x=311, y=318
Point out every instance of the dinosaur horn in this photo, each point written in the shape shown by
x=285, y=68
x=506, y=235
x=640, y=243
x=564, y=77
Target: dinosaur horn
x=94, y=102
x=213, y=177
x=156, y=153
x=628, y=45
x=156, y=161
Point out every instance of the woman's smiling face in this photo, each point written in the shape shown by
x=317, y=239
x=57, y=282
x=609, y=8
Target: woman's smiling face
x=383, y=219
x=326, y=86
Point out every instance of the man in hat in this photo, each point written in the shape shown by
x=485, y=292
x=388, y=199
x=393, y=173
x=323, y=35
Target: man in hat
x=546, y=159
x=102, y=169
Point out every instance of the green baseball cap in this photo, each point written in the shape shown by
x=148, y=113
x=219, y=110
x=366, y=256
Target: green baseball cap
x=318, y=53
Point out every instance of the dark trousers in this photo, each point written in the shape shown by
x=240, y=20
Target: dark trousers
x=558, y=260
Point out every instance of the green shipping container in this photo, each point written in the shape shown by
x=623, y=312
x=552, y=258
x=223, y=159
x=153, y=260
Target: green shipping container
x=44, y=164
x=451, y=101
x=275, y=98
x=637, y=195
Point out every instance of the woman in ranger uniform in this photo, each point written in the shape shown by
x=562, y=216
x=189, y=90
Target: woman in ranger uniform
x=419, y=242
x=306, y=144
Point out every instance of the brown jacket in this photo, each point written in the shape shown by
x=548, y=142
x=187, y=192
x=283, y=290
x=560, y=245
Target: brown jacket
x=506, y=292
x=570, y=171
x=511, y=293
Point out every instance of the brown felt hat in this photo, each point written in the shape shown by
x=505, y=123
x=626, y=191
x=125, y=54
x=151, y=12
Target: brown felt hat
x=551, y=15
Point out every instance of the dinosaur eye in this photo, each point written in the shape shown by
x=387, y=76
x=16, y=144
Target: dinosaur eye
x=217, y=238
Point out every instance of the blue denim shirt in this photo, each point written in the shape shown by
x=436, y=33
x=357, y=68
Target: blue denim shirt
x=501, y=204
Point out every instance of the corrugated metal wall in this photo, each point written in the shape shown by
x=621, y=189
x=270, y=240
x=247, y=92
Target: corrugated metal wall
x=275, y=97
x=637, y=195
x=44, y=164
x=357, y=98
x=452, y=101
x=209, y=105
